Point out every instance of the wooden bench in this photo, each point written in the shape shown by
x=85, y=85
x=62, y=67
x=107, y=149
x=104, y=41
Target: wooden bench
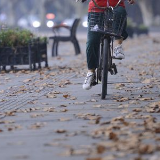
x=72, y=37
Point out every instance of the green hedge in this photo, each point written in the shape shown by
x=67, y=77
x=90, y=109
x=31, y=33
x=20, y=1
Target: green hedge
x=16, y=38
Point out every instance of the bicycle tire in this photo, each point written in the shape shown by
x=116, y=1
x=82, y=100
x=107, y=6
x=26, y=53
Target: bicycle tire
x=105, y=68
x=99, y=69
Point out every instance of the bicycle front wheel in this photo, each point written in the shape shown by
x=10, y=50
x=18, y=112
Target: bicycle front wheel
x=105, y=67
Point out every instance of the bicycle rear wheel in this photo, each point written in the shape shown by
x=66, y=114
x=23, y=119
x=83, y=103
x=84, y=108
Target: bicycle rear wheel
x=105, y=67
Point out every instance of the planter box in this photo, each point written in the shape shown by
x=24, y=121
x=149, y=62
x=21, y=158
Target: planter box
x=41, y=53
x=35, y=52
x=140, y=31
x=130, y=31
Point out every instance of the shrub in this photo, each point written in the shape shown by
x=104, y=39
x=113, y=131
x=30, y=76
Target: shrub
x=16, y=38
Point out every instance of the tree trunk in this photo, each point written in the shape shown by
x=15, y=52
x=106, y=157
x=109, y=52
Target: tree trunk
x=147, y=12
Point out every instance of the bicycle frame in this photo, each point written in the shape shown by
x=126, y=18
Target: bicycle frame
x=105, y=63
x=112, y=67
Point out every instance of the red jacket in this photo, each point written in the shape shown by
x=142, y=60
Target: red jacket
x=103, y=3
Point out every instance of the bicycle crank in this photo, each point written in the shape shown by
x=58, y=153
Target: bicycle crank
x=113, y=69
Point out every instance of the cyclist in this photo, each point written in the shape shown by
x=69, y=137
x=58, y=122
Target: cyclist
x=93, y=40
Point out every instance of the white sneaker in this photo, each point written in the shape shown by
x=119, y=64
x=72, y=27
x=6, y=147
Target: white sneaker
x=118, y=52
x=89, y=81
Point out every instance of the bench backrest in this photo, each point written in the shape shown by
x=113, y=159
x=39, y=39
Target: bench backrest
x=74, y=26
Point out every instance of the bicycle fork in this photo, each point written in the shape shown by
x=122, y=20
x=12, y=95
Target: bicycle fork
x=112, y=66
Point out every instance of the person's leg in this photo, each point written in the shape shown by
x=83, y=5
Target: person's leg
x=121, y=15
x=92, y=54
x=92, y=50
x=93, y=41
x=118, y=49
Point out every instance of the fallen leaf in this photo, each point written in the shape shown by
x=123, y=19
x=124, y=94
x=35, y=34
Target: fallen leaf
x=97, y=106
x=37, y=125
x=73, y=98
x=100, y=149
x=98, y=158
x=113, y=136
x=66, y=95
x=109, y=157
x=2, y=91
x=147, y=81
x=146, y=99
x=123, y=99
x=27, y=80
x=21, y=157
x=63, y=110
x=51, y=96
x=61, y=131
x=52, y=144
x=92, y=100
x=64, y=119
x=62, y=105
x=10, y=113
x=119, y=86
x=79, y=103
x=37, y=115
x=137, y=110
x=51, y=109
x=146, y=149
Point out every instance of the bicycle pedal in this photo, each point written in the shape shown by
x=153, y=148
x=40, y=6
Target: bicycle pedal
x=116, y=58
x=94, y=83
x=111, y=71
x=114, y=69
x=115, y=73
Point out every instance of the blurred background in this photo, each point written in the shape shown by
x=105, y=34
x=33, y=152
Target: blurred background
x=42, y=15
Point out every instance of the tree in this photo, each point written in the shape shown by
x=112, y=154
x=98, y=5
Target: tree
x=147, y=10
x=16, y=9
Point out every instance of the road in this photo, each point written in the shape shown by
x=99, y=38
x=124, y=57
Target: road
x=47, y=115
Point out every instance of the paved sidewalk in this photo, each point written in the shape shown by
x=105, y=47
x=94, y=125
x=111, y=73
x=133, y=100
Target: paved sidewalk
x=46, y=114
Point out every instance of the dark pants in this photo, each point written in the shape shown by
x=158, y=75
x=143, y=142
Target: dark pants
x=93, y=38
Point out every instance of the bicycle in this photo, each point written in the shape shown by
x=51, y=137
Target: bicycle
x=109, y=32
